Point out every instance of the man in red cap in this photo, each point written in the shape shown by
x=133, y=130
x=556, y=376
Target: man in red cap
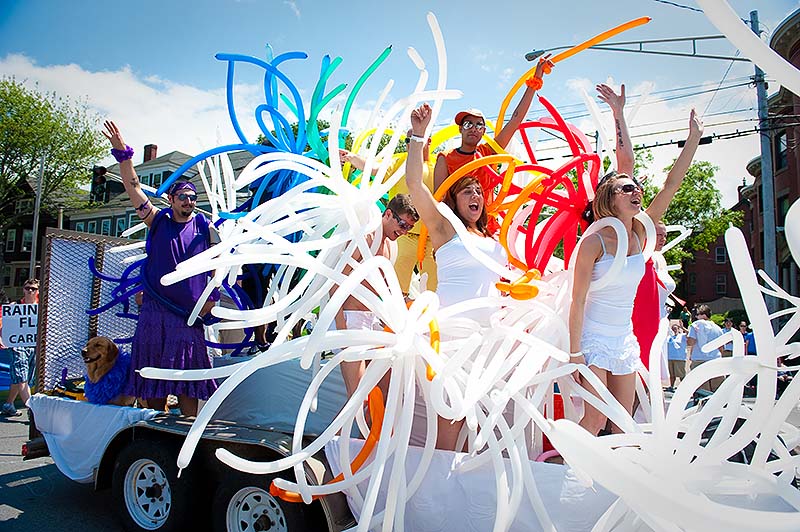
x=472, y=126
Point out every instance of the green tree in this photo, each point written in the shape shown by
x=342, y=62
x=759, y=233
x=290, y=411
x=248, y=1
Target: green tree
x=698, y=207
x=33, y=124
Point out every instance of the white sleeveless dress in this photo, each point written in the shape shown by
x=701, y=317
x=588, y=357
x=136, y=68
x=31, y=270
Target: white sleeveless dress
x=607, y=339
x=462, y=276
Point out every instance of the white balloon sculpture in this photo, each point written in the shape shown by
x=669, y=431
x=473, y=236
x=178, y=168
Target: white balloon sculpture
x=665, y=473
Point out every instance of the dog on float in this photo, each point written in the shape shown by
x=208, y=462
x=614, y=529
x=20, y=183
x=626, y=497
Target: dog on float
x=106, y=372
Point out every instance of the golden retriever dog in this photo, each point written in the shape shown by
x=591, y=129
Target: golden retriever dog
x=106, y=372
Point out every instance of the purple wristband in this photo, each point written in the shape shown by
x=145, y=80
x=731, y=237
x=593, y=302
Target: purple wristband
x=122, y=155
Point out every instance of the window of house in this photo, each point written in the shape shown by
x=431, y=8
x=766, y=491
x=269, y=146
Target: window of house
x=692, y=283
x=121, y=226
x=781, y=150
x=23, y=206
x=11, y=240
x=145, y=179
x=79, y=226
x=27, y=240
x=156, y=180
x=720, y=255
x=722, y=284
x=7, y=275
x=105, y=226
x=91, y=226
x=20, y=276
x=783, y=208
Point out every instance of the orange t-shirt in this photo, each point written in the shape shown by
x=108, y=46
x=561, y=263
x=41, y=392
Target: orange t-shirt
x=486, y=177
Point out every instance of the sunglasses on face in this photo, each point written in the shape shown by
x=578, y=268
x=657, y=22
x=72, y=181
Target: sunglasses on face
x=404, y=225
x=468, y=124
x=627, y=188
x=184, y=196
x=30, y=289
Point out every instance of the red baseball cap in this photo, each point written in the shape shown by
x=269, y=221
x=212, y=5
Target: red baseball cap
x=469, y=112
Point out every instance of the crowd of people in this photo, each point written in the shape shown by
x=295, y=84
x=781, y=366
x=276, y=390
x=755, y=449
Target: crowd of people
x=611, y=329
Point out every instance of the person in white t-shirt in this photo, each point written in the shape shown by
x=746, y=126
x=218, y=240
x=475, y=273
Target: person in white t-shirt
x=702, y=331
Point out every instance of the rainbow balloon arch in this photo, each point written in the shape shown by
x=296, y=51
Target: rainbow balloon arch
x=663, y=473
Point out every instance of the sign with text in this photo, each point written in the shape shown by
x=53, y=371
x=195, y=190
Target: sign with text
x=19, y=324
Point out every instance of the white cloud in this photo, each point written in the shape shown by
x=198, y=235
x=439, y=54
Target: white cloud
x=293, y=6
x=147, y=109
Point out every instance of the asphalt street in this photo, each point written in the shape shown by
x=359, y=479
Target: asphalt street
x=36, y=497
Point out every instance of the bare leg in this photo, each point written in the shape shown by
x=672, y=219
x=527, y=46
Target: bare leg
x=188, y=405
x=593, y=420
x=623, y=388
x=13, y=391
x=352, y=373
x=447, y=433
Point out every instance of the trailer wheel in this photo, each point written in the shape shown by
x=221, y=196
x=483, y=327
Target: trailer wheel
x=147, y=491
x=242, y=503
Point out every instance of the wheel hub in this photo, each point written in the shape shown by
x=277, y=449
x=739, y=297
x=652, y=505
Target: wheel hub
x=252, y=509
x=148, y=497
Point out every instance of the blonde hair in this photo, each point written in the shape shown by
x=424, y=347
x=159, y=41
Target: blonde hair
x=603, y=203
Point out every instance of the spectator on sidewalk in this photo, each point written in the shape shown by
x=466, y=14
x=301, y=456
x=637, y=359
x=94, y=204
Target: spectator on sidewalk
x=701, y=332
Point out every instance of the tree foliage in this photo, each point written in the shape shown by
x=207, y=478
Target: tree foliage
x=698, y=207
x=33, y=124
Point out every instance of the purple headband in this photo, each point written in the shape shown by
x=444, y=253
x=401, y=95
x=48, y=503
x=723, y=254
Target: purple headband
x=180, y=185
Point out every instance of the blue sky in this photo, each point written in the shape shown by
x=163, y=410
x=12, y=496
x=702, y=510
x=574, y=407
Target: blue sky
x=150, y=65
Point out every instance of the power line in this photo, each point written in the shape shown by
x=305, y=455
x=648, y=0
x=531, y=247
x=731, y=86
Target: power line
x=674, y=4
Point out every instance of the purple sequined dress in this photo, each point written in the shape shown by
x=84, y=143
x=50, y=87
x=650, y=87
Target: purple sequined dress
x=162, y=338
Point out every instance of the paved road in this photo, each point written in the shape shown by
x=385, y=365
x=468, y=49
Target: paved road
x=36, y=497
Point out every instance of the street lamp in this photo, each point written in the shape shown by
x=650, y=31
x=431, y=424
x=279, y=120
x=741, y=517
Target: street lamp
x=767, y=179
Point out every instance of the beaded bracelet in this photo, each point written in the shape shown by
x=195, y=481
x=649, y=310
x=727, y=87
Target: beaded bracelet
x=122, y=155
x=534, y=83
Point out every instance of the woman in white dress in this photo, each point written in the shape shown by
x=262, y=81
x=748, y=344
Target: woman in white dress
x=600, y=328
x=460, y=275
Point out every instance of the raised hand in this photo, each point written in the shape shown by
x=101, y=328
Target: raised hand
x=615, y=101
x=544, y=66
x=695, y=125
x=420, y=118
x=111, y=132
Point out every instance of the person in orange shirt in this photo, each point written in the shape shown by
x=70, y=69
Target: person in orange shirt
x=472, y=126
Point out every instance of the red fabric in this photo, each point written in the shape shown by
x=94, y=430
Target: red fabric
x=558, y=413
x=646, y=313
x=486, y=177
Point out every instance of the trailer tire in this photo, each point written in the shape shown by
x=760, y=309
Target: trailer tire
x=243, y=503
x=146, y=489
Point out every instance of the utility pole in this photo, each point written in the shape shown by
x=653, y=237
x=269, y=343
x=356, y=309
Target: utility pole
x=767, y=178
x=35, y=241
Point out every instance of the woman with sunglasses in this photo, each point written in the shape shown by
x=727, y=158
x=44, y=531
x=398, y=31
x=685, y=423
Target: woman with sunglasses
x=461, y=276
x=600, y=328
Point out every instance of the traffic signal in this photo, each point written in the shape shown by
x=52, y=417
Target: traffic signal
x=99, y=191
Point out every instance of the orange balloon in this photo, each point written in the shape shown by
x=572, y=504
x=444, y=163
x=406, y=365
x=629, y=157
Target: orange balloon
x=563, y=55
x=489, y=160
x=376, y=413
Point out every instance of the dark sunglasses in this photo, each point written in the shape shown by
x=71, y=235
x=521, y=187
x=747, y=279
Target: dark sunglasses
x=468, y=124
x=404, y=225
x=184, y=196
x=30, y=289
x=627, y=188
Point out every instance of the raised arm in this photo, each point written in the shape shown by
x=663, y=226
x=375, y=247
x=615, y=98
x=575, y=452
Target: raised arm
x=505, y=134
x=438, y=226
x=624, y=147
x=144, y=208
x=661, y=202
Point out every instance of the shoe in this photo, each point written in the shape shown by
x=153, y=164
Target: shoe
x=8, y=410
